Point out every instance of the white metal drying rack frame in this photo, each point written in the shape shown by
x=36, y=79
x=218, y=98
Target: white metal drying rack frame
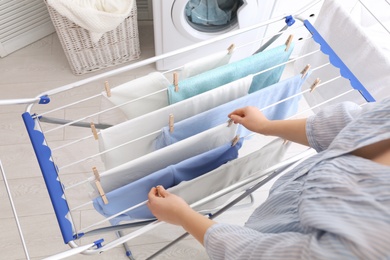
x=51, y=174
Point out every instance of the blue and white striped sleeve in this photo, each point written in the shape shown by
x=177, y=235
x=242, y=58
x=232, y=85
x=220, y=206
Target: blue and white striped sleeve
x=323, y=127
x=225, y=241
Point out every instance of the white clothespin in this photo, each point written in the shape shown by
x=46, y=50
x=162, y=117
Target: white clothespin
x=99, y=185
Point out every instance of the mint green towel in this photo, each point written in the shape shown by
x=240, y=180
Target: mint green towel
x=225, y=74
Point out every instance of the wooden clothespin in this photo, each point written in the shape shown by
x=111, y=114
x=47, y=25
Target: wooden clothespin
x=171, y=123
x=235, y=140
x=94, y=131
x=176, y=81
x=231, y=48
x=107, y=88
x=305, y=70
x=285, y=141
x=315, y=84
x=158, y=191
x=288, y=42
x=230, y=122
x=99, y=185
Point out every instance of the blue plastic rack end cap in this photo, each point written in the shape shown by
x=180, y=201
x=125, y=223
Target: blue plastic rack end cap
x=289, y=20
x=44, y=100
x=78, y=235
x=98, y=243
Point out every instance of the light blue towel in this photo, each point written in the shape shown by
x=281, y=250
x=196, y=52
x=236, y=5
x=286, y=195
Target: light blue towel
x=222, y=75
x=136, y=192
x=218, y=115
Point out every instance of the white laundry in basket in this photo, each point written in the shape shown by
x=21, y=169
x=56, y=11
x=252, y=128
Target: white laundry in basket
x=96, y=16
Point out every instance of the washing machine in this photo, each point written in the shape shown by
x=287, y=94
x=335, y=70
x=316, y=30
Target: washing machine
x=179, y=23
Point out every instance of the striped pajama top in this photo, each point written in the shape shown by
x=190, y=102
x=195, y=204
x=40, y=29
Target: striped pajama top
x=334, y=205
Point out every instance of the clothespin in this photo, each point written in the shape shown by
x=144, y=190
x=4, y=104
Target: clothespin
x=176, y=81
x=231, y=48
x=285, y=141
x=305, y=70
x=99, y=186
x=158, y=191
x=288, y=42
x=230, y=122
x=107, y=88
x=315, y=84
x=235, y=140
x=171, y=123
x=94, y=131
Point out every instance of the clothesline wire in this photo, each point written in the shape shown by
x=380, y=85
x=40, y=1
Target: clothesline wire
x=148, y=95
x=247, y=136
x=165, y=72
x=128, y=102
x=158, y=131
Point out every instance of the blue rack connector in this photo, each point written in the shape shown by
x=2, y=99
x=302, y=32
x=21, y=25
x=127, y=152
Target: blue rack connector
x=289, y=20
x=44, y=99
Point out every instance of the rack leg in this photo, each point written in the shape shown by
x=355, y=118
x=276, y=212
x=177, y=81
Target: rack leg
x=126, y=247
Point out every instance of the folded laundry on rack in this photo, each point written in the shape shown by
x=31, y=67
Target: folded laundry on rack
x=265, y=99
x=133, y=170
x=96, y=16
x=141, y=128
x=136, y=93
x=355, y=48
x=222, y=75
x=137, y=191
x=204, y=64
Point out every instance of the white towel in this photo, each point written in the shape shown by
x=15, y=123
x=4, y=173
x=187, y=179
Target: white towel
x=206, y=63
x=154, y=83
x=96, y=16
x=367, y=61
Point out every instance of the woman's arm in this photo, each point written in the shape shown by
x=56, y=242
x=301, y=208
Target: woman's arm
x=253, y=119
x=172, y=209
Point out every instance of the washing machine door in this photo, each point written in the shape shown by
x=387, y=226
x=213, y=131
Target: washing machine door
x=204, y=19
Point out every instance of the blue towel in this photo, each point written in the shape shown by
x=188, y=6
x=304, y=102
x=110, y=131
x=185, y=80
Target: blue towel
x=208, y=12
x=222, y=75
x=136, y=192
x=218, y=115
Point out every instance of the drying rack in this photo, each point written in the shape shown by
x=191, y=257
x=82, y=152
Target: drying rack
x=40, y=127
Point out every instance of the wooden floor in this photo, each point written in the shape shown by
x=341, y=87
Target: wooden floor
x=25, y=74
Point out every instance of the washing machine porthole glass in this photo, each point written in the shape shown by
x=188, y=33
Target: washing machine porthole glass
x=212, y=16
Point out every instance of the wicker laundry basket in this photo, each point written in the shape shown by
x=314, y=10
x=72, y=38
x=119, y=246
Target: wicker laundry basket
x=115, y=47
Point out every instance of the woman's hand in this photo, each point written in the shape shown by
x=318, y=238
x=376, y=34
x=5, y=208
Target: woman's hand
x=254, y=120
x=166, y=206
x=250, y=117
x=172, y=209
